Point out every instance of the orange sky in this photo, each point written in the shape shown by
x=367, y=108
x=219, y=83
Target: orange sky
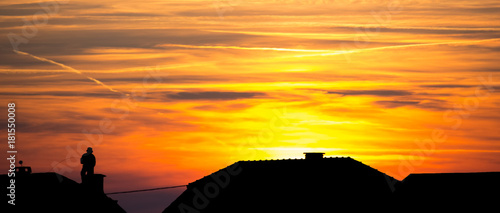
x=174, y=90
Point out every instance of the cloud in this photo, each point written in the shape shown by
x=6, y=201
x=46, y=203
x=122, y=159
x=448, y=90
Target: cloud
x=214, y=107
x=426, y=104
x=239, y=48
x=127, y=14
x=71, y=47
x=418, y=30
x=32, y=8
x=48, y=78
x=5, y=11
x=63, y=94
x=177, y=79
x=447, y=86
x=58, y=127
x=396, y=104
x=214, y=95
x=381, y=93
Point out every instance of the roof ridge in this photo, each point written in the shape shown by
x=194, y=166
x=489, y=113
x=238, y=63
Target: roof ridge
x=284, y=159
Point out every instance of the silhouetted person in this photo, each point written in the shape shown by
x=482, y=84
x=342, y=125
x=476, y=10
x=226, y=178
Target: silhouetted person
x=88, y=161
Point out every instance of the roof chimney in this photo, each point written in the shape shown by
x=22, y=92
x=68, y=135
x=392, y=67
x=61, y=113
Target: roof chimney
x=95, y=184
x=314, y=155
x=22, y=170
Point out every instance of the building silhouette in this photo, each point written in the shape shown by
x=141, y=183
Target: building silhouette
x=479, y=191
x=318, y=184
x=52, y=192
x=313, y=184
x=294, y=185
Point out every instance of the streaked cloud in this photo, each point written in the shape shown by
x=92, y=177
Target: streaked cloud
x=381, y=93
x=240, y=48
x=215, y=95
x=448, y=86
x=63, y=94
x=394, y=104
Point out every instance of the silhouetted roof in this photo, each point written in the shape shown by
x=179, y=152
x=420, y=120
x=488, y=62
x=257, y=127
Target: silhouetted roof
x=333, y=184
x=51, y=192
x=478, y=190
x=287, y=186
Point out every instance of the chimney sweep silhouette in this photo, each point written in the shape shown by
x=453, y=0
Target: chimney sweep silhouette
x=88, y=161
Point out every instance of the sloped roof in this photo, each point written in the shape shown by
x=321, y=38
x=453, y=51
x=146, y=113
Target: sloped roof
x=287, y=186
x=478, y=190
x=51, y=192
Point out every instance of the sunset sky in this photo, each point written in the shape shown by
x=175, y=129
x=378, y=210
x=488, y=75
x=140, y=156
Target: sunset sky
x=170, y=91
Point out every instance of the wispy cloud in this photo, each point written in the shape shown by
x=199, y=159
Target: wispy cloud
x=61, y=94
x=381, y=93
x=447, y=86
x=214, y=95
x=240, y=48
x=395, y=104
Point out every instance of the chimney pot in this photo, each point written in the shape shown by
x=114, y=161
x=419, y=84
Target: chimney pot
x=314, y=155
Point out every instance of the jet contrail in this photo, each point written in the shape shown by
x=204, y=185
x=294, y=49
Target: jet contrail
x=323, y=52
x=339, y=52
x=70, y=69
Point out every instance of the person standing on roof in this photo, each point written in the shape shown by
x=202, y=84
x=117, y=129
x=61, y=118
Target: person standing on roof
x=88, y=161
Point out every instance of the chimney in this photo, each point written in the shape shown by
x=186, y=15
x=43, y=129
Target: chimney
x=95, y=184
x=314, y=155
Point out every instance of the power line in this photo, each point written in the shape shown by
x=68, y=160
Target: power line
x=143, y=190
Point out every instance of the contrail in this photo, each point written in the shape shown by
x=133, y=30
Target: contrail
x=323, y=52
x=339, y=52
x=70, y=69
